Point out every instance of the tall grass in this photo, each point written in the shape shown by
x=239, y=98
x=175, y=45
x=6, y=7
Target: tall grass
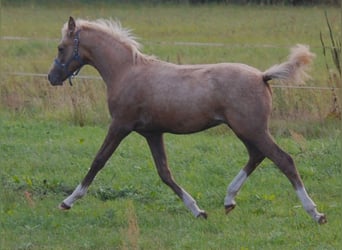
x=335, y=73
x=257, y=36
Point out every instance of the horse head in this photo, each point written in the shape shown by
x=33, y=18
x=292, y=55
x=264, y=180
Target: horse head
x=69, y=61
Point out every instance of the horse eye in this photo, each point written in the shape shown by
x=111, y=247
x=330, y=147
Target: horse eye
x=60, y=50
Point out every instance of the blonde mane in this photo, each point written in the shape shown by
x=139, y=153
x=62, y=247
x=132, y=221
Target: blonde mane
x=114, y=29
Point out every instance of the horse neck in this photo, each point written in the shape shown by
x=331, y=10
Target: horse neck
x=110, y=57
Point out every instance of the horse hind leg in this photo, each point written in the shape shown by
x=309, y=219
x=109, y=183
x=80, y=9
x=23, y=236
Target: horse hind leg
x=255, y=158
x=286, y=164
x=155, y=142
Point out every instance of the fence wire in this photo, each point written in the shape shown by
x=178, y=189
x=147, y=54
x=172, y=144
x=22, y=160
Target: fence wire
x=175, y=43
x=93, y=77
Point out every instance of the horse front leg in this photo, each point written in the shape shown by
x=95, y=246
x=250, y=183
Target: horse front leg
x=156, y=144
x=114, y=137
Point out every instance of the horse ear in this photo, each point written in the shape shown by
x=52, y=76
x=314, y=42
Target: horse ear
x=71, y=26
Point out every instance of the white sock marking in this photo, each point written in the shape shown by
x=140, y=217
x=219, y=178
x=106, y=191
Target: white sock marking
x=78, y=193
x=190, y=203
x=308, y=204
x=234, y=187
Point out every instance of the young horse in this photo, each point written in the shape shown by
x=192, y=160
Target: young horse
x=152, y=97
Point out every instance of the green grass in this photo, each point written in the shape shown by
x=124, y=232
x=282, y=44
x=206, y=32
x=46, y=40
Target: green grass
x=49, y=136
x=129, y=207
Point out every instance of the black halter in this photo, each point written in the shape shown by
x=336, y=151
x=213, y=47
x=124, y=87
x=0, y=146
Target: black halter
x=75, y=57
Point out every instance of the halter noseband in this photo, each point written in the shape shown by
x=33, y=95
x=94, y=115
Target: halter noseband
x=75, y=57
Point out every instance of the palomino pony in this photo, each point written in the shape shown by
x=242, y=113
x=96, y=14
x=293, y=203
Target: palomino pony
x=152, y=97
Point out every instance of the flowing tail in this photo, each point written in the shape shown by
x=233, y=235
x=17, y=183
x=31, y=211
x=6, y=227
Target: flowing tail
x=294, y=70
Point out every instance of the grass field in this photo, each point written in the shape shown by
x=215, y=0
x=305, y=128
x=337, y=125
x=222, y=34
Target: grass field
x=49, y=136
x=128, y=207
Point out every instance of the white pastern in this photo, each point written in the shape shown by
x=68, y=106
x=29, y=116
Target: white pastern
x=191, y=204
x=308, y=204
x=234, y=188
x=305, y=199
x=78, y=193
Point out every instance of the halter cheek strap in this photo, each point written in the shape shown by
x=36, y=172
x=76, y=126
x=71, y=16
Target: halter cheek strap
x=75, y=57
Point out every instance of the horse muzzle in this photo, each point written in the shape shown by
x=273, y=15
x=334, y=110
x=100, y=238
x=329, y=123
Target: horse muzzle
x=54, y=80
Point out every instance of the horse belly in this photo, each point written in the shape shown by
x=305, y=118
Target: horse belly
x=190, y=125
x=178, y=121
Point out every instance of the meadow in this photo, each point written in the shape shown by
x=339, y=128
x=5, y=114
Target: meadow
x=256, y=35
x=49, y=136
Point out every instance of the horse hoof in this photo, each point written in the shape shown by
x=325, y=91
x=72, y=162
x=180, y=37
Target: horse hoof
x=64, y=206
x=229, y=208
x=203, y=215
x=322, y=219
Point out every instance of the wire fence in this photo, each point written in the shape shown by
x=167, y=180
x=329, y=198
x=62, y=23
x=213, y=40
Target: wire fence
x=165, y=43
x=93, y=77
x=162, y=43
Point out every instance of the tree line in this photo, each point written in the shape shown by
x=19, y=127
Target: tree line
x=194, y=2
x=265, y=2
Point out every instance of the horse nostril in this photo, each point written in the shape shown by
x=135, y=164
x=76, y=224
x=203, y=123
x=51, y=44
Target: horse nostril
x=50, y=78
x=54, y=80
